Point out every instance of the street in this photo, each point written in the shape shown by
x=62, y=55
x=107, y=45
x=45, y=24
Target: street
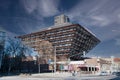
x=62, y=78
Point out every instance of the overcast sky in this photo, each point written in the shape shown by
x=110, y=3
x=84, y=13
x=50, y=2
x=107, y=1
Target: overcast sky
x=102, y=17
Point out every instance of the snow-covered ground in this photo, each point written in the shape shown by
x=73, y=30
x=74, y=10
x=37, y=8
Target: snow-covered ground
x=60, y=78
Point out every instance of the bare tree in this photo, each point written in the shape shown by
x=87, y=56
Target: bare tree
x=1, y=52
x=2, y=43
x=15, y=51
x=13, y=46
x=46, y=50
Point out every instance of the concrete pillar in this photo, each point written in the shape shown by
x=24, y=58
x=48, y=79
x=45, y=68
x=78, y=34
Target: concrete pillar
x=91, y=69
x=94, y=69
x=87, y=68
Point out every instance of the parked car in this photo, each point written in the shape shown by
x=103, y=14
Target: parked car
x=113, y=73
x=116, y=73
x=103, y=73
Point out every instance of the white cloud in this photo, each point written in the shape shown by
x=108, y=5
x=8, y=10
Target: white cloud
x=100, y=12
x=43, y=8
x=118, y=41
x=30, y=5
x=114, y=30
x=27, y=25
x=100, y=16
x=100, y=20
x=39, y=9
x=119, y=15
x=11, y=34
x=48, y=7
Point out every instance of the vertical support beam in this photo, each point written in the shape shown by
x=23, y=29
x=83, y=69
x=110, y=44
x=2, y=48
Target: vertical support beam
x=87, y=68
x=91, y=69
x=94, y=69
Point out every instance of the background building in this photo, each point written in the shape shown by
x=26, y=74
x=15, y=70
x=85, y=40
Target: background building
x=91, y=65
x=70, y=40
x=115, y=67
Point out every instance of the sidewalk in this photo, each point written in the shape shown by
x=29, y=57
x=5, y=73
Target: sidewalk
x=57, y=74
x=60, y=74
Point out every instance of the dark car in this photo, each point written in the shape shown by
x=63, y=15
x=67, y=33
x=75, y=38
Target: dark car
x=116, y=73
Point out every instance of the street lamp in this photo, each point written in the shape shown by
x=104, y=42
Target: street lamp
x=68, y=60
x=39, y=63
x=54, y=59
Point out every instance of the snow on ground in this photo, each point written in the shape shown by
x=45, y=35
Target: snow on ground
x=65, y=78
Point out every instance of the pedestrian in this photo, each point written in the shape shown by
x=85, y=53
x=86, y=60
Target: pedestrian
x=73, y=73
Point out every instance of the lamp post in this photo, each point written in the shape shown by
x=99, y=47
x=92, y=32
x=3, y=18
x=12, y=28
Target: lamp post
x=54, y=59
x=68, y=63
x=38, y=63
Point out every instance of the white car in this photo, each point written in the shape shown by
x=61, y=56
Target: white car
x=103, y=73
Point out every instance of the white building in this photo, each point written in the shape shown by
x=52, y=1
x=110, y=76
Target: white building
x=115, y=67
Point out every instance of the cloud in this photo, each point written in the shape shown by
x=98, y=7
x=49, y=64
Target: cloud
x=28, y=25
x=48, y=8
x=100, y=20
x=44, y=8
x=39, y=10
x=118, y=41
x=118, y=15
x=8, y=33
x=30, y=5
x=101, y=17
